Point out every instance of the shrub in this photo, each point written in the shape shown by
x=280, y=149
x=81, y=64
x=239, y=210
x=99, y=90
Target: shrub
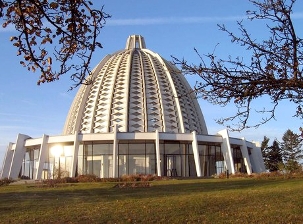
x=88, y=178
x=5, y=181
x=110, y=179
x=141, y=177
x=132, y=185
x=56, y=182
x=240, y=175
x=70, y=180
x=23, y=177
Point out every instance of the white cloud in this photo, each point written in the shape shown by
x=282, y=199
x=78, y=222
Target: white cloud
x=170, y=20
x=14, y=116
x=167, y=20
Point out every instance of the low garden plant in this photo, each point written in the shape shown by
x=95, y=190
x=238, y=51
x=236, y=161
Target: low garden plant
x=5, y=181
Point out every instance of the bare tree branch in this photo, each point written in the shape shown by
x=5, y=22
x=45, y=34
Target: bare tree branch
x=274, y=70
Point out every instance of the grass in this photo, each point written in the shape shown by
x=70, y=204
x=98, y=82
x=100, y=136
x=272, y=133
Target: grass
x=170, y=201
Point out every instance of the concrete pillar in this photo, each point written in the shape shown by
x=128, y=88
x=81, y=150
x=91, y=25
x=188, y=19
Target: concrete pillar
x=227, y=151
x=18, y=156
x=74, y=156
x=42, y=157
x=245, y=155
x=7, y=161
x=257, y=157
x=158, y=157
x=196, y=154
x=115, y=153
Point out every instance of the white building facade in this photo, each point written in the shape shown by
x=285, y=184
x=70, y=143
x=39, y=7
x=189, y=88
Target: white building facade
x=139, y=116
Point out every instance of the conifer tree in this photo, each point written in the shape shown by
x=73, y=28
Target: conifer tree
x=265, y=151
x=292, y=146
x=292, y=150
x=274, y=156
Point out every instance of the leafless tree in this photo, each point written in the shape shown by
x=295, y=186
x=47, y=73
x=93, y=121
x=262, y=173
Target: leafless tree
x=59, y=31
x=274, y=69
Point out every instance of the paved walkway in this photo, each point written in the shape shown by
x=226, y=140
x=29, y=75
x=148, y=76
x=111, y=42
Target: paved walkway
x=18, y=182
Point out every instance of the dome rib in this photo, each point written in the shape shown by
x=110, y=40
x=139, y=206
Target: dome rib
x=155, y=116
x=138, y=91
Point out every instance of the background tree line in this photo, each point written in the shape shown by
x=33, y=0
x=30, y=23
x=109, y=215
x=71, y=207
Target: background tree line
x=285, y=155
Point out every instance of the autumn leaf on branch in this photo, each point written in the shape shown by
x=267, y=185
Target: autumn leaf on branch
x=61, y=31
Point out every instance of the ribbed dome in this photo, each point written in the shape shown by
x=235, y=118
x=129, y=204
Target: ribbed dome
x=138, y=91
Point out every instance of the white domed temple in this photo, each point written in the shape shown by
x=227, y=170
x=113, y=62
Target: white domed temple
x=139, y=116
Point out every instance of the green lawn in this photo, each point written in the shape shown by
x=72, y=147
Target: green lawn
x=169, y=201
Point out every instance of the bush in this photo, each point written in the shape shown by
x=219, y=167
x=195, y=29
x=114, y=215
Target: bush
x=293, y=166
x=132, y=185
x=48, y=183
x=70, y=180
x=141, y=177
x=5, y=181
x=88, y=178
x=23, y=177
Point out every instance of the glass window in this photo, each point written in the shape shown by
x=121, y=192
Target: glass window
x=150, y=148
x=136, y=164
x=212, y=150
x=150, y=164
x=68, y=150
x=202, y=149
x=95, y=159
x=190, y=149
x=172, y=148
x=184, y=149
x=138, y=149
x=123, y=148
x=100, y=149
x=36, y=154
x=89, y=150
x=80, y=152
x=123, y=166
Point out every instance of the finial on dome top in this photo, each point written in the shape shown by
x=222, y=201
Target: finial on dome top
x=135, y=41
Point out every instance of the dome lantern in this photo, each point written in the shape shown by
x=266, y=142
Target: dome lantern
x=135, y=41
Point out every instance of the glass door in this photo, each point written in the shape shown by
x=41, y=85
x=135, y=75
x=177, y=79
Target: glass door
x=173, y=165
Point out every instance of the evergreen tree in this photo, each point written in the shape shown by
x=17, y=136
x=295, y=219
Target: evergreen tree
x=274, y=157
x=292, y=150
x=265, y=151
x=291, y=146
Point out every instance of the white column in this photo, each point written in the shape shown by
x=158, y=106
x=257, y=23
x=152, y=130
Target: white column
x=7, y=161
x=42, y=157
x=115, y=153
x=245, y=156
x=75, y=156
x=258, y=159
x=227, y=151
x=158, y=158
x=196, y=153
x=18, y=156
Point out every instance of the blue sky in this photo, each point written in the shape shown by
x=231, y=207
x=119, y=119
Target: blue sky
x=169, y=28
